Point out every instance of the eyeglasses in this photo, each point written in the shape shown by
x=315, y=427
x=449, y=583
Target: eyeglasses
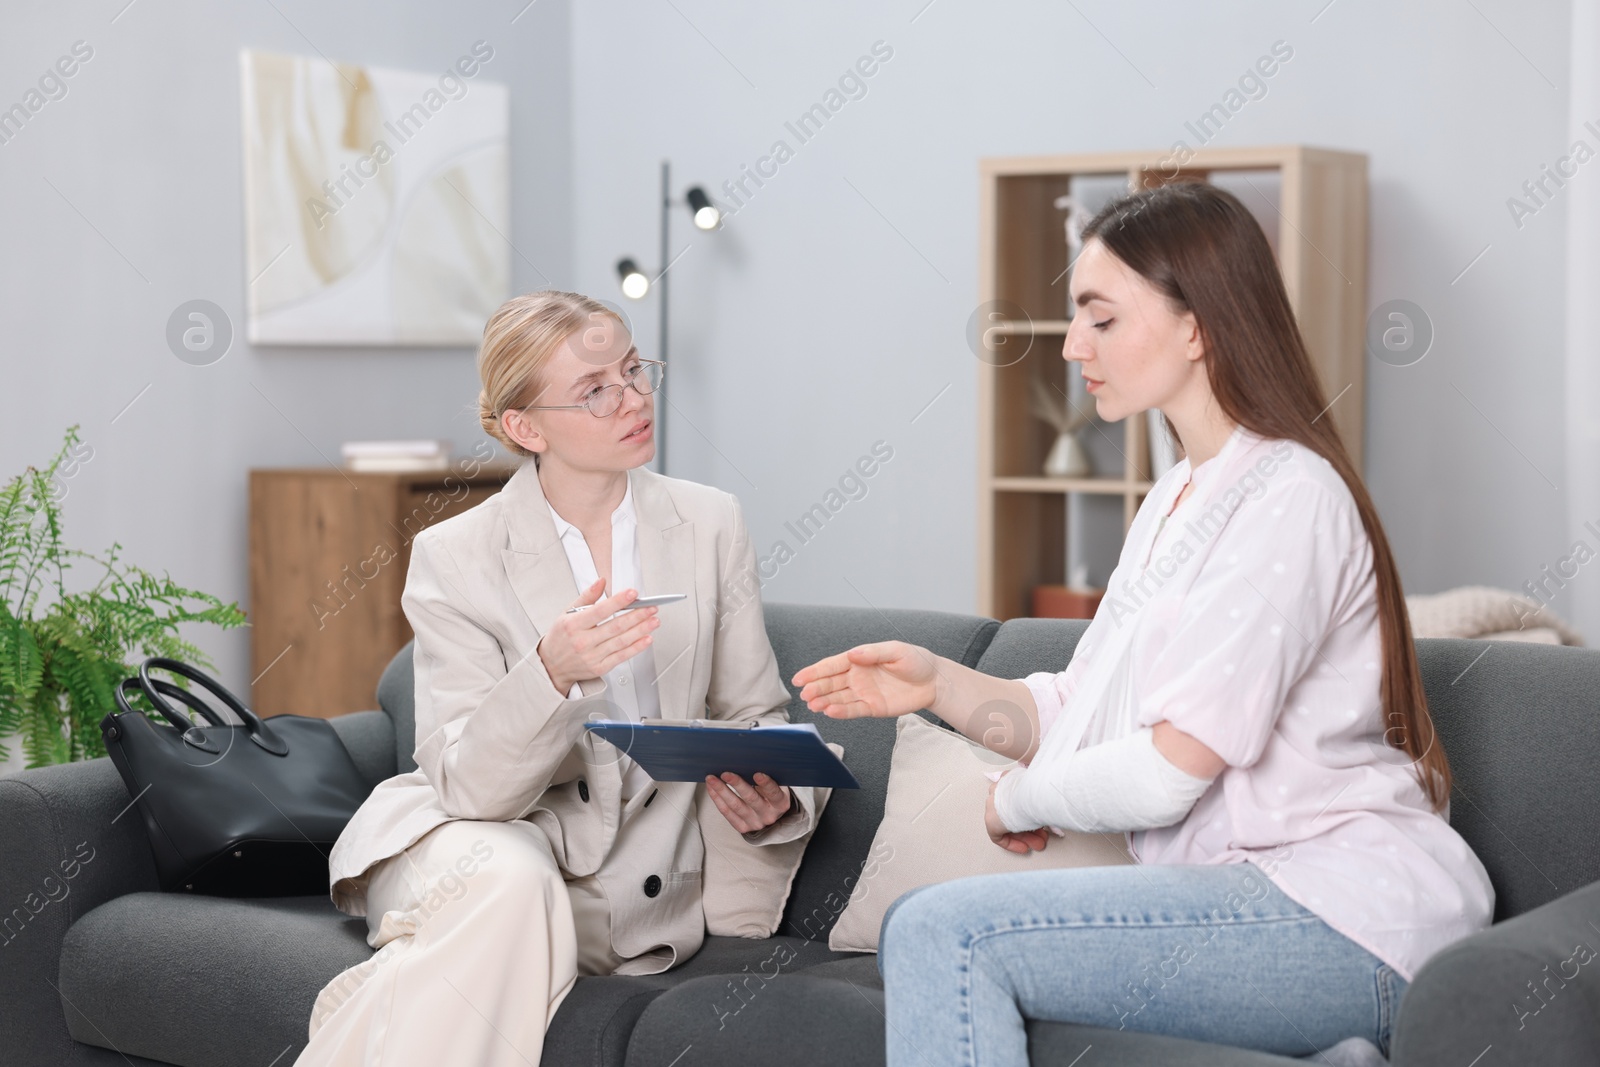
x=603, y=400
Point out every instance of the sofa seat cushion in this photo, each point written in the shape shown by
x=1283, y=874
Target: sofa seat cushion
x=821, y=1015
x=1065, y=1042
x=203, y=981
x=857, y=968
x=739, y=955
x=594, y=1025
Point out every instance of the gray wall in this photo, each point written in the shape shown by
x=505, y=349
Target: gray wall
x=833, y=307
x=146, y=146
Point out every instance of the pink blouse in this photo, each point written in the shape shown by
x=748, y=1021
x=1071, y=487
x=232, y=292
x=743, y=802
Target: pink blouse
x=1251, y=624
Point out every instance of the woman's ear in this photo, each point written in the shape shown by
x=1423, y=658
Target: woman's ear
x=519, y=428
x=1194, y=339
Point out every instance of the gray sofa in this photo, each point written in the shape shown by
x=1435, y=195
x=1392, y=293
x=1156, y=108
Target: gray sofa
x=101, y=968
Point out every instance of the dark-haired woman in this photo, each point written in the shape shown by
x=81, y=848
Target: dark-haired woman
x=1246, y=704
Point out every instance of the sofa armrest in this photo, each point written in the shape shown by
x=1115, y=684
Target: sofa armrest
x=71, y=841
x=1528, y=987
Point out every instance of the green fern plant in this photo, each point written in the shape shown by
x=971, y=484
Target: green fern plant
x=58, y=671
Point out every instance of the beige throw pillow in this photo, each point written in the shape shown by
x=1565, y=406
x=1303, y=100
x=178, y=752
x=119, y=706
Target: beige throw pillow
x=744, y=887
x=932, y=830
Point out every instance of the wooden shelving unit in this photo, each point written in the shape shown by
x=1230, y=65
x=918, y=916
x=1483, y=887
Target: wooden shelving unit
x=1312, y=204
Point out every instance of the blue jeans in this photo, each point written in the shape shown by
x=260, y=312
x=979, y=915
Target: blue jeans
x=1214, y=953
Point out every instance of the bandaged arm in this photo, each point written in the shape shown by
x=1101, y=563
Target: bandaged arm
x=1118, y=785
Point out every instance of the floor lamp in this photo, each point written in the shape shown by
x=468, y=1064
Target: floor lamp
x=635, y=283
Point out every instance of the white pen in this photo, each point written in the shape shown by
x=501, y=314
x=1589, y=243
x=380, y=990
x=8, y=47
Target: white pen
x=642, y=602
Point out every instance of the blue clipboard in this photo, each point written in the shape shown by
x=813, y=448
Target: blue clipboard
x=791, y=754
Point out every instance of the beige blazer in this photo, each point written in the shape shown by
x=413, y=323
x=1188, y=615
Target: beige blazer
x=496, y=741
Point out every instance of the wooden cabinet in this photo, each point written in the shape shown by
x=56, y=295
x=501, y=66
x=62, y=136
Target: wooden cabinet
x=329, y=549
x=1312, y=205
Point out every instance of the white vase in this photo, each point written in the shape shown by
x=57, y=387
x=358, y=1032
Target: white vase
x=1068, y=458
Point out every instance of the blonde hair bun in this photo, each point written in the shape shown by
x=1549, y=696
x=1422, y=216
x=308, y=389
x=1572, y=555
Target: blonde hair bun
x=518, y=341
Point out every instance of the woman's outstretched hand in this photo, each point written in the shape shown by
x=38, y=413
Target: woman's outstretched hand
x=582, y=645
x=882, y=679
x=1025, y=841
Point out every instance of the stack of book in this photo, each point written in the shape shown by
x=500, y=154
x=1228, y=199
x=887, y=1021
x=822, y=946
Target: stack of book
x=396, y=455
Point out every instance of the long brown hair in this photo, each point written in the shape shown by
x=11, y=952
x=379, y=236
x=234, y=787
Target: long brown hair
x=1201, y=248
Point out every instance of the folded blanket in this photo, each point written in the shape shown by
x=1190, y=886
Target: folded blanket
x=1488, y=614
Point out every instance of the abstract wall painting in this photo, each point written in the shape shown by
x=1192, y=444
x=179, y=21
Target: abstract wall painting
x=377, y=201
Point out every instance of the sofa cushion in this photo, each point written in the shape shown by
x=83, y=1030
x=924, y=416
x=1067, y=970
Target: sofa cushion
x=204, y=981
x=594, y=1024
x=397, y=694
x=214, y=982
x=801, y=634
x=1065, y=1042
x=369, y=738
x=1023, y=646
x=1518, y=723
x=789, y=1019
x=857, y=968
x=841, y=1023
x=932, y=831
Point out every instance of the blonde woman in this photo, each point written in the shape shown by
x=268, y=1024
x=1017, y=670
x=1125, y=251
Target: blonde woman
x=523, y=851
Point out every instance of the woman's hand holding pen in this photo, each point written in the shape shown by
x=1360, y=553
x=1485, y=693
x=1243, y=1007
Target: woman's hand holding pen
x=587, y=643
x=882, y=679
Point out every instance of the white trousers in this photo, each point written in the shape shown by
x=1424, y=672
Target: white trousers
x=479, y=940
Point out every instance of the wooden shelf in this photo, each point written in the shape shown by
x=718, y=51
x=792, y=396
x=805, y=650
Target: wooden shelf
x=329, y=550
x=1110, y=486
x=1312, y=206
x=1014, y=327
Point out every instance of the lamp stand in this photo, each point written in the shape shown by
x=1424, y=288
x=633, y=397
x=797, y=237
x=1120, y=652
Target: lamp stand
x=661, y=345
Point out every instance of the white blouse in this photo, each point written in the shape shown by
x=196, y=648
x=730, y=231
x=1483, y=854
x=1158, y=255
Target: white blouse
x=631, y=683
x=1249, y=621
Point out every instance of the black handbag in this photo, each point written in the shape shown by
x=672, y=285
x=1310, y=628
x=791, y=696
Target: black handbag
x=232, y=810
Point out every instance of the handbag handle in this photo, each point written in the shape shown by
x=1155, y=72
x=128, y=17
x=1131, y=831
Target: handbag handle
x=192, y=735
x=259, y=731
